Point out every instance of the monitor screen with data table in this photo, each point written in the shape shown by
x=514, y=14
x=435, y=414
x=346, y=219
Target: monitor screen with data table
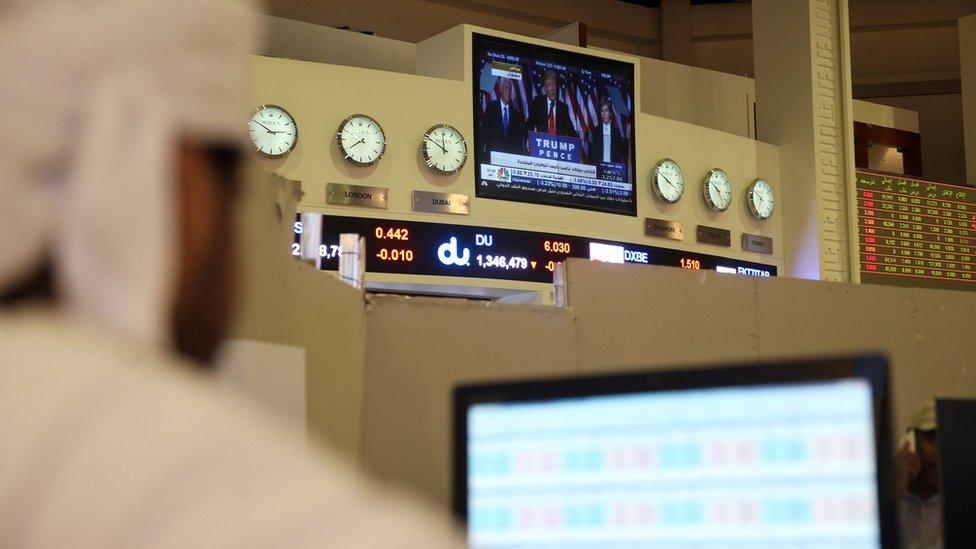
x=779, y=455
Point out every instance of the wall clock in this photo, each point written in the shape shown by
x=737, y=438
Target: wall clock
x=760, y=199
x=273, y=131
x=444, y=149
x=717, y=190
x=361, y=140
x=668, y=181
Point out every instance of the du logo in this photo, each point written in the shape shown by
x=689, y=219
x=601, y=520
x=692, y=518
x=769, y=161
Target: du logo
x=447, y=253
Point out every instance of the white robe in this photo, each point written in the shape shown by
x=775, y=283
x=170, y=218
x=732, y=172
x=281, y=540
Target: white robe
x=108, y=444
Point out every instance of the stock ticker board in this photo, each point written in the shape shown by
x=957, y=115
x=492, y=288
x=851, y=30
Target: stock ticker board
x=916, y=233
x=440, y=249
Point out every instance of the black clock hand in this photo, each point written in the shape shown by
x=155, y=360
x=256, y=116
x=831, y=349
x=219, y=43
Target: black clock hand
x=267, y=128
x=429, y=140
x=363, y=140
x=673, y=186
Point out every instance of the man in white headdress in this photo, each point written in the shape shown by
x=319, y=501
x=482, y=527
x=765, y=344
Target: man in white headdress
x=920, y=505
x=118, y=154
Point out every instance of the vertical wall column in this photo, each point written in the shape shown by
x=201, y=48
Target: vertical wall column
x=967, y=66
x=804, y=105
x=676, y=31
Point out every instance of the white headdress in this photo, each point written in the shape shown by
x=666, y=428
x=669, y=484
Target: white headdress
x=94, y=96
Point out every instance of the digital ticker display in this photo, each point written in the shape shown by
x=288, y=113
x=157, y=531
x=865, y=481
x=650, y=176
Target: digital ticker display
x=916, y=233
x=419, y=248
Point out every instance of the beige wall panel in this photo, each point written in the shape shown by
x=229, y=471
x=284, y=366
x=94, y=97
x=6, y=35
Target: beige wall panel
x=659, y=316
x=446, y=55
x=886, y=116
x=697, y=96
x=289, y=303
x=309, y=42
x=417, y=350
x=802, y=317
x=946, y=346
x=805, y=318
x=632, y=316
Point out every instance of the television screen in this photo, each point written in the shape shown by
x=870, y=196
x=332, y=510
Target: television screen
x=553, y=127
x=638, y=462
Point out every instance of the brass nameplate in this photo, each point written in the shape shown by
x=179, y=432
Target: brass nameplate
x=357, y=195
x=426, y=201
x=663, y=228
x=756, y=243
x=714, y=235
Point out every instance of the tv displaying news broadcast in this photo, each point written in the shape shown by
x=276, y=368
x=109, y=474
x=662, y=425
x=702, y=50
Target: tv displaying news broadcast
x=553, y=127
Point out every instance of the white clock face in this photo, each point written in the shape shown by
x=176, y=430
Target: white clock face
x=273, y=131
x=667, y=181
x=444, y=149
x=717, y=190
x=361, y=140
x=761, y=199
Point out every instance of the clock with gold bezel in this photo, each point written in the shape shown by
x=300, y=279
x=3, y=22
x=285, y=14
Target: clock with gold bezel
x=273, y=131
x=760, y=199
x=667, y=181
x=717, y=190
x=444, y=149
x=361, y=140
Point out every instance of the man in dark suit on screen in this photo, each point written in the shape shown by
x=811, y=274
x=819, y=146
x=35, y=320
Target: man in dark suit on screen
x=503, y=126
x=548, y=114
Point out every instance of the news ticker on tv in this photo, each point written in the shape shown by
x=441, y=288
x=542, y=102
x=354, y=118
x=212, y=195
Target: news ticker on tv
x=439, y=249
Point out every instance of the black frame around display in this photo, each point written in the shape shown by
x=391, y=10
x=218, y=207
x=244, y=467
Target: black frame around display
x=872, y=368
x=579, y=60
x=957, y=478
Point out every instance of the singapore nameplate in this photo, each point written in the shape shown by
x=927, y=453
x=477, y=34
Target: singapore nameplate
x=756, y=243
x=663, y=228
x=357, y=195
x=426, y=201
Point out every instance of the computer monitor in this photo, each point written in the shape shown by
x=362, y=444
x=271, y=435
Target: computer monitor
x=776, y=455
x=957, y=470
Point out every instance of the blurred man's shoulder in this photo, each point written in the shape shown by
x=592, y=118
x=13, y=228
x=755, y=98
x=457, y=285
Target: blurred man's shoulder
x=142, y=437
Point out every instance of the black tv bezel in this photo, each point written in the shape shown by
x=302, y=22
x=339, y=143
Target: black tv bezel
x=628, y=68
x=872, y=368
x=957, y=481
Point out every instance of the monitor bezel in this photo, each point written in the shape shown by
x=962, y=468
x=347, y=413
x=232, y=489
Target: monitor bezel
x=955, y=489
x=872, y=368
